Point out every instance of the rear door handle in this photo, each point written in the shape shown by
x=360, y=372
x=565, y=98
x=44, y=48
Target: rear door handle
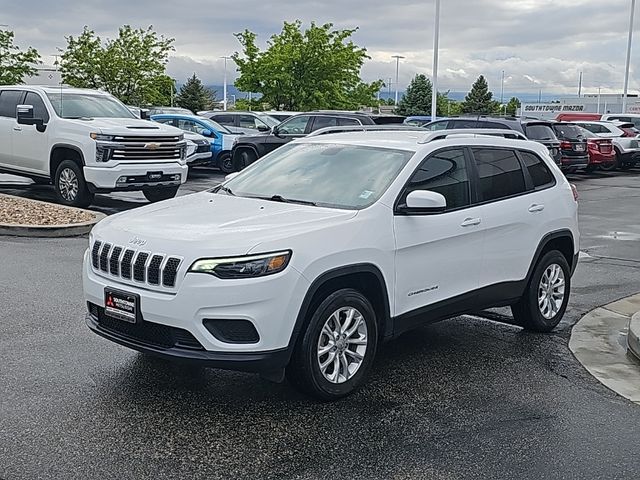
x=17, y=129
x=536, y=208
x=470, y=222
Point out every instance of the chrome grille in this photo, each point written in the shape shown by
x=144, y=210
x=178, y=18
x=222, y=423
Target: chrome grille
x=137, y=266
x=135, y=148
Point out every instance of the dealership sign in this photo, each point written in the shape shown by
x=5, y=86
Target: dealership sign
x=551, y=108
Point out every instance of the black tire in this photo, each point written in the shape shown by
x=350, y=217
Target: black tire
x=626, y=166
x=160, y=193
x=70, y=185
x=608, y=167
x=526, y=312
x=243, y=158
x=225, y=162
x=591, y=168
x=304, y=371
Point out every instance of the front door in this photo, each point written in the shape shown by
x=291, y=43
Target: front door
x=295, y=127
x=30, y=146
x=438, y=256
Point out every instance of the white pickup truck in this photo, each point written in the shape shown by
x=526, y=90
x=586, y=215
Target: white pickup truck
x=86, y=142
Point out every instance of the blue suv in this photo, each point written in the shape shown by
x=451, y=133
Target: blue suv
x=221, y=137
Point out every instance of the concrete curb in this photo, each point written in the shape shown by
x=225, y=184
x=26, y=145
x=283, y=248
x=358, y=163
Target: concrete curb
x=600, y=340
x=50, y=231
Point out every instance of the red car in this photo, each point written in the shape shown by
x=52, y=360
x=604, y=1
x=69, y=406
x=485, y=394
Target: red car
x=601, y=152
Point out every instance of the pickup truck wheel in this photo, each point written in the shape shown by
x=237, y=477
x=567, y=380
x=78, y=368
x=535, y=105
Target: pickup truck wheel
x=70, y=186
x=160, y=193
x=226, y=164
x=546, y=297
x=335, y=353
x=243, y=159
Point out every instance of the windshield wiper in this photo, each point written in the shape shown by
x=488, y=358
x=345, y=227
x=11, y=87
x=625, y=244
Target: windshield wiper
x=280, y=198
x=227, y=190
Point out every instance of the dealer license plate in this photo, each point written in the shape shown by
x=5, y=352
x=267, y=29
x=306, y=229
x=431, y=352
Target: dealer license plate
x=121, y=305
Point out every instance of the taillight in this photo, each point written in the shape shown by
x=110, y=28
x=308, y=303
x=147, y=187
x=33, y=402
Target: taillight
x=574, y=190
x=566, y=145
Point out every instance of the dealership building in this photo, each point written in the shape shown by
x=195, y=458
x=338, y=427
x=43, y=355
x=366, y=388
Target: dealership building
x=590, y=103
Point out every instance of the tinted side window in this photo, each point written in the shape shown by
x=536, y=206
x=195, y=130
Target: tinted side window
x=446, y=173
x=437, y=125
x=540, y=132
x=39, y=109
x=539, y=172
x=500, y=174
x=348, y=121
x=462, y=123
x=322, y=122
x=9, y=100
x=247, y=121
x=294, y=126
x=493, y=125
x=223, y=119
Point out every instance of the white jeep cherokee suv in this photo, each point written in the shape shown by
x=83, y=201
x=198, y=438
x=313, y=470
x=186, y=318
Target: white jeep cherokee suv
x=305, y=261
x=86, y=142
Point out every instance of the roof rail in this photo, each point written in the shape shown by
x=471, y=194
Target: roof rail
x=365, y=128
x=473, y=132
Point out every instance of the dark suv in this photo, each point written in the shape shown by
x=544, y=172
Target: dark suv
x=248, y=148
x=573, y=146
x=540, y=131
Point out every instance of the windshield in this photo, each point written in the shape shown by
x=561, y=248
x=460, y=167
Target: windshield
x=214, y=126
x=85, y=105
x=270, y=121
x=330, y=175
x=569, y=132
x=540, y=132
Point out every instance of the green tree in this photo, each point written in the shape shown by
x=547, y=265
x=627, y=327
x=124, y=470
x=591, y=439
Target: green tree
x=417, y=99
x=513, y=106
x=16, y=64
x=195, y=96
x=479, y=100
x=131, y=66
x=305, y=70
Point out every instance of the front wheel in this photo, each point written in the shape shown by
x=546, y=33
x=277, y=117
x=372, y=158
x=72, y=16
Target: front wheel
x=335, y=353
x=546, y=297
x=160, y=193
x=225, y=162
x=70, y=186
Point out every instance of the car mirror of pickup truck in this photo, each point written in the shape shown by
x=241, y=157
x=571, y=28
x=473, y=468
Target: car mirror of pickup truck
x=24, y=115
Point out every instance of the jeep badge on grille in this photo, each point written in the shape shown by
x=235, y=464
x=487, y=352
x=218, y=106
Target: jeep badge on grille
x=137, y=241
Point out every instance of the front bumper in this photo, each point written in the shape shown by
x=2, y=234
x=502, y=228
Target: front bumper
x=200, y=158
x=106, y=178
x=270, y=303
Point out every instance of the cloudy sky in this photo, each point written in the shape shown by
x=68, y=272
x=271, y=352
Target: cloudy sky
x=540, y=44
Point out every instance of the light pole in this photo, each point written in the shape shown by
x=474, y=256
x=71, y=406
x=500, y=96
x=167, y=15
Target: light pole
x=397, y=57
x=626, y=68
x=580, y=85
x=502, y=89
x=436, y=40
x=224, y=88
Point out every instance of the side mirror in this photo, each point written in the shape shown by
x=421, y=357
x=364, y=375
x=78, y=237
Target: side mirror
x=263, y=128
x=24, y=115
x=231, y=176
x=144, y=114
x=425, y=201
x=275, y=131
x=207, y=133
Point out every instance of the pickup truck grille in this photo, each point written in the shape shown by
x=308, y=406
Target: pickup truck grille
x=131, y=148
x=134, y=266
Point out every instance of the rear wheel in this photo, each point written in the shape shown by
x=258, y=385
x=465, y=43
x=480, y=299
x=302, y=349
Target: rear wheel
x=243, y=159
x=158, y=194
x=607, y=167
x=591, y=168
x=335, y=353
x=71, y=188
x=546, y=297
x=225, y=162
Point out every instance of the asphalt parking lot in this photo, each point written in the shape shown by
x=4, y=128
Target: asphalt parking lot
x=465, y=398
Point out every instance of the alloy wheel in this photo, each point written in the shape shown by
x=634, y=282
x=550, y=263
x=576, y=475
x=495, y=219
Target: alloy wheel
x=68, y=184
x=551, y=291
x=342, y=345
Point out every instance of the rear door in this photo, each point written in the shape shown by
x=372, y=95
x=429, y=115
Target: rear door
x=31, y=147
x=9, y=100
x=513, y=211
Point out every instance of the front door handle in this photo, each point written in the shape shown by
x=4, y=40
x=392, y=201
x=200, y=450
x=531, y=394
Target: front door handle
x=470, y=222
x=17, y=129
x=536, y=208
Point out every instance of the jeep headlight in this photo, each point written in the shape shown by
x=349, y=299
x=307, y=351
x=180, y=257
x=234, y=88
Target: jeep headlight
x=249, y=266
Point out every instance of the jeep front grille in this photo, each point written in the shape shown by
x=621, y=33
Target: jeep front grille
x=143, y=267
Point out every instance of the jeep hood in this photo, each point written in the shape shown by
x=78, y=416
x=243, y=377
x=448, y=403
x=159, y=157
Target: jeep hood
x=222, y=224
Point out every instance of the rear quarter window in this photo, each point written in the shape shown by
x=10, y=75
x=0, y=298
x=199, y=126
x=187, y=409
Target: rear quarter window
x=538, y=170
